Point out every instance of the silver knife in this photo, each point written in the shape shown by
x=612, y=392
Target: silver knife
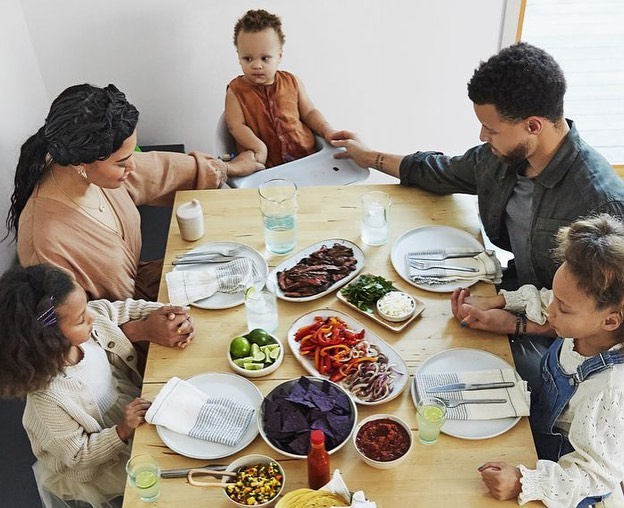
x=456, y=387
x=200, y=254
x=182, y=472
x=438, y=254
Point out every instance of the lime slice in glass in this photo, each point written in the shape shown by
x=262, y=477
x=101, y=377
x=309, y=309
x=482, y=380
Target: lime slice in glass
x=433, y=413
x=146, y=479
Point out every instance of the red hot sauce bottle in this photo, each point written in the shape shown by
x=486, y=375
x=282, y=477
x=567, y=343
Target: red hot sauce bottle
x=318, y=461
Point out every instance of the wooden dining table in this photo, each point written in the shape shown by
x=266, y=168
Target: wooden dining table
x=441, y=475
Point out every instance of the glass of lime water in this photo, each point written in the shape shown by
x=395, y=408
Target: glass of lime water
x=431, y=415
x=261, y=307
x=144, y=475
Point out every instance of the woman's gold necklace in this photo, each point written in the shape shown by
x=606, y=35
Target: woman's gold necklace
x=101, y=207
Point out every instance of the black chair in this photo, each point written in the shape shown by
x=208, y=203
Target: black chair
x=155, y=219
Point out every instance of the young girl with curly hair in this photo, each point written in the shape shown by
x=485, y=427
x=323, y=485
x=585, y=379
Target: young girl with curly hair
x=78, y=372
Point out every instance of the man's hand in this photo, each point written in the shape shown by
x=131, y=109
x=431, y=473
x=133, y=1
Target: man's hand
x=462, y=297
x=354, y=148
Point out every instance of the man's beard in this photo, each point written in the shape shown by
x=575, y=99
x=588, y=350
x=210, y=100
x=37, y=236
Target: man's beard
x=516, y=156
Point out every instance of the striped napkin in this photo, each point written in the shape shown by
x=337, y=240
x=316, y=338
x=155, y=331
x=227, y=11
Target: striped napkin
x=188, y=286
x=518, y=396
x=185, y=409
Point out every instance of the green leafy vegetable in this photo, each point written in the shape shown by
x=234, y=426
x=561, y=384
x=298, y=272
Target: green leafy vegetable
x=366, y=290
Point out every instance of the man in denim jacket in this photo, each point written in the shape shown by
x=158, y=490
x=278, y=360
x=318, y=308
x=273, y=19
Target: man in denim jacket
x=533, y=173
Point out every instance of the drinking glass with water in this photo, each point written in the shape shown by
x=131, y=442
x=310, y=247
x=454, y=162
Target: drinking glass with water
x=375, y=211
x=261, y=307
x=278, y=204
x=144, y=475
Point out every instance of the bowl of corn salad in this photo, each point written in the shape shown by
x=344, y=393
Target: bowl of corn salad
x=259, y=481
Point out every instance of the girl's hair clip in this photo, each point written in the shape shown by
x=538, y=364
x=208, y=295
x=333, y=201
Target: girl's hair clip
x=48, y=317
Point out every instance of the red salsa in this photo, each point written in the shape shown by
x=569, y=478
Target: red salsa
x=382, y=440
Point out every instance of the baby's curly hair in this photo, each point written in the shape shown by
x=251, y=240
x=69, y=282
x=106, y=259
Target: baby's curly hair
x=257, y=21
x=520, y=81
x=33, y=350
x=593, y=249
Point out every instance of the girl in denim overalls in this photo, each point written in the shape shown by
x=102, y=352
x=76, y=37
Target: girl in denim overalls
x=577, y=415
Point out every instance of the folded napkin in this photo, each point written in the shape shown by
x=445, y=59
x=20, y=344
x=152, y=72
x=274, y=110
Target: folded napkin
x=186, y=286
x=185, y=409
x=518, y=396
x=487, y=265
x=338, y=487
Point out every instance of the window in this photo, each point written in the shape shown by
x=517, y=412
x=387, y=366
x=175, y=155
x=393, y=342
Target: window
x=587, y=39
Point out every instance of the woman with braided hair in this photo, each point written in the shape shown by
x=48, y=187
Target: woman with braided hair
x=78, y=183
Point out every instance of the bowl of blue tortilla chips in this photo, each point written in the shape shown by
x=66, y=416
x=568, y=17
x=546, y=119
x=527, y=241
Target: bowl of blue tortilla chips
x=296, y=407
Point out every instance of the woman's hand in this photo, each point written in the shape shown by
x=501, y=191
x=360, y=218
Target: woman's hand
x=134, y=415
x=170, y=325
x=245, y=163
x=501, y=479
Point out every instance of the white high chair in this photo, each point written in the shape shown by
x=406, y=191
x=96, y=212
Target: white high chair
x=320, y=168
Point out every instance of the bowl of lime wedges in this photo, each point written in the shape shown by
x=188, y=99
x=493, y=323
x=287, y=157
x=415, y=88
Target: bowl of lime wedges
x=255, y=354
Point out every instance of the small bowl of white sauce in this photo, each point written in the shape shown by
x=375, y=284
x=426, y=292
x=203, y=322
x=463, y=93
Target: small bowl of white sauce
x=396, y=306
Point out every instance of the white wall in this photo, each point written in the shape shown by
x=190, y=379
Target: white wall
x=23, y=103
x=393, y=71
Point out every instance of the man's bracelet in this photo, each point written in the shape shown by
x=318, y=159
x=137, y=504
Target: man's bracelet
x=379, y=160
x=521, y=325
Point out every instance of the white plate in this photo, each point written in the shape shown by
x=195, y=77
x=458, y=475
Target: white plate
x=400, y=381
x=294, y=259
x=431, y=237
x=225, y=300
x=463, y=360
x=226, y=385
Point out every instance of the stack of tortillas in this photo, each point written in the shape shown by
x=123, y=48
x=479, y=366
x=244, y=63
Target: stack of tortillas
x=308, y=498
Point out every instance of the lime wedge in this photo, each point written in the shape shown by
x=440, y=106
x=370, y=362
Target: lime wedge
x=256, y=354
x=274, y=354
x=253, y=366
x=146, y=479
x=273, y=346
x=249, y=292
x=267, y=354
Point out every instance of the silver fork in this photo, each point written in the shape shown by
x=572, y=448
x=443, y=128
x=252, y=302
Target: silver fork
x=450, y=404
x=428, y=265
x=226, y=252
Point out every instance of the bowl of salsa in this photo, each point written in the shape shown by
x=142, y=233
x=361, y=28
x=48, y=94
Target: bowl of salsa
x=383, y=441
